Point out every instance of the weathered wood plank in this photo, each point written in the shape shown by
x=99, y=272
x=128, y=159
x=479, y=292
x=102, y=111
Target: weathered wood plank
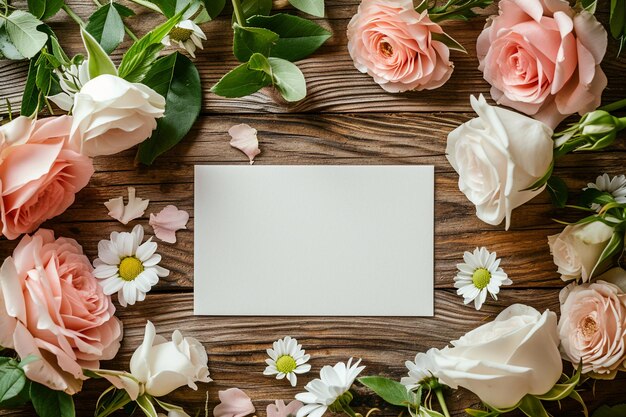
x=236, y=348
x=337, y=87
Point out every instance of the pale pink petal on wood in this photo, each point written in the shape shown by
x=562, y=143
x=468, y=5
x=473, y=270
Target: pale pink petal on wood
x=167, y=222
x=233, y=403
x=244, y=138
x=125, y=213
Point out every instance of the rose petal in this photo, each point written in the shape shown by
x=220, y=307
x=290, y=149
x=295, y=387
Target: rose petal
x=244, y=138
x=234, y=403
x=134, y=209
x=167, y=222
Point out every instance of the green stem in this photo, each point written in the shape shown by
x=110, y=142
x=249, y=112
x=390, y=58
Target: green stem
x=148, y=5
x=76, y=18
x=126, y=29
x=346, y=408
x=442, y=402
x=238, y=12
x=614, y=106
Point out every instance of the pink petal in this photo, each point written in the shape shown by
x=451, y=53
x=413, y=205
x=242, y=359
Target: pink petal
x=279, y=409
x=135, y=208
x=167, y=222
x=234, y=403
x=244, y=138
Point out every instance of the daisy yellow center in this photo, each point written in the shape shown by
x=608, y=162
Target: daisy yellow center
x=481, y=278
x=180, y=34
x=286, y=364
x=130, y=268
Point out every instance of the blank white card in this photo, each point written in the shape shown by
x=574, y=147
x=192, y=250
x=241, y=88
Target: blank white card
x=314, y=240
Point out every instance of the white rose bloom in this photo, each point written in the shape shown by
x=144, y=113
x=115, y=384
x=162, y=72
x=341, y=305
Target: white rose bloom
x=504, y=360
x=498, y=155
x=163, y=366
x=112, y=115
x=577, y=249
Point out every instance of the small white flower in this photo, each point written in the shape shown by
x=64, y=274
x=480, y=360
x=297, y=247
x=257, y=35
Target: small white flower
x=71, y=80
x=333, y=383
x=287, y=358
x=187, y=35
x=479, y=275
x=616, y=186
x=127, y=266
x=421, y=370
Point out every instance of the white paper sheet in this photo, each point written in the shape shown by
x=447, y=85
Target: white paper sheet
x=313, y=240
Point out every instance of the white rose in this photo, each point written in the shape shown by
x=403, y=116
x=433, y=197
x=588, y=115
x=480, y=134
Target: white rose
x=577, y=249
x=163, y=366
x=502, y=361
x=112, y=114
x=498, y=155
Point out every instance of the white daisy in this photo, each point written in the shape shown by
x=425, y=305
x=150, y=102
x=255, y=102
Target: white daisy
x=421, y=370
x=71, y=80
x=127, y=266
x=333, y=384
x=479, y=275
x=616, y=186
x=287, y=358
x=187, y=35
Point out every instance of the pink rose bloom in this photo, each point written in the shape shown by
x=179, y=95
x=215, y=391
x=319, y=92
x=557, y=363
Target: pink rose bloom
x=39, y=172
x=543, y=59
x=393, y=43
x=592, y=327
x=52, y=307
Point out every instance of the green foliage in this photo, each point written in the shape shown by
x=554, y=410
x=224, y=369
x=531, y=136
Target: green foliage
x=453, y=9
x=389, y=390
x=140, y=57
x=241, y=82
x=107, y=27
x=50, y=403
x=558, y=191
x=617, y=22
x=214, y=7
x=313, y=7
x=298, y=37
x=177, y=79
x=98, y=61
x=288, y=79
x=44, y=9
x=256, y=8
x=250, y=40
x=21, y=28
x=615, y=411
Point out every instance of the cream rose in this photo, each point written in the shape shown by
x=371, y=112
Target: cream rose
x=498, y=155
x=399, y=47
x=504, y=360
x=112, y=115
x=593, y=325
x=577, y=249
x=163, y=366
x=543, y=58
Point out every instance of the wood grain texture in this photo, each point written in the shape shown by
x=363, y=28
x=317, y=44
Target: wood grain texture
x=346, y=119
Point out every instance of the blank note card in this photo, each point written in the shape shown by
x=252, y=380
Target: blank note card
x=314, y=240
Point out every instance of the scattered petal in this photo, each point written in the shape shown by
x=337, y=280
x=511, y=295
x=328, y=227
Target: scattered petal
x=233, y=403
x=167, y=222
x=135, y=208
x=244, y=138
x=279, y=409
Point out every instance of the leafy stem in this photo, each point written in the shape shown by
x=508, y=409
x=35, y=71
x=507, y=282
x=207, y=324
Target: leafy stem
x=239, y=13
x=614, y=106
x=442, y=401
x=76, y=18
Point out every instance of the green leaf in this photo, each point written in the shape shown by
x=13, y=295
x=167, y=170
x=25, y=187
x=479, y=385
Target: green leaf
x=532, y=407
x=51, y=403
x=107, y=27
x=7, y=49
x=288, y=79
x=43, y=9
x=250, y=40
x=177, y=79
x=99, y=61
x=615, y=411
x=142, y=54
x=558, y=191
x=259, y=62
x=214, y=7
x=12, y=382
x=58, y=52
x=389, y=390
x=256, y=8
x=21, y=27
x=168, y=7
x=241, y=82
x=31, y=99
x=298, y=37
x=314, y=7
x=144, y=402
x=612, y=249
x=588, y=5
x=449, y=41
x=617, y=19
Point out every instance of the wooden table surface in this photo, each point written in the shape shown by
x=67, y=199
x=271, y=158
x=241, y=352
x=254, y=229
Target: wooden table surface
x=345, y=119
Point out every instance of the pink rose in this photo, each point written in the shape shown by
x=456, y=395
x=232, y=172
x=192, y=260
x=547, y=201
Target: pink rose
x=592, y=327
x=393, y=43
x=52, y=307
x=39, y=172
x=543, y=59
